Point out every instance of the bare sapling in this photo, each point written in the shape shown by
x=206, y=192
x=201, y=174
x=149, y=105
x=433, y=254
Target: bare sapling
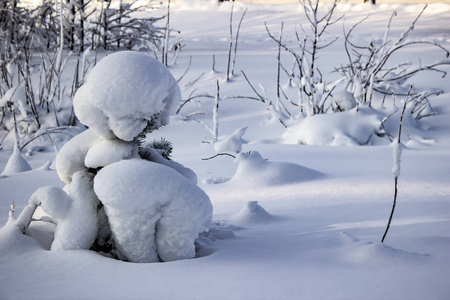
x=397, y=161
x=231, y=42
x=314, y=91
x=236, y=41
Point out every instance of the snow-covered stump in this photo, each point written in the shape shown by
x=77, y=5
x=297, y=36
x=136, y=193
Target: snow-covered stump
x=154, y=212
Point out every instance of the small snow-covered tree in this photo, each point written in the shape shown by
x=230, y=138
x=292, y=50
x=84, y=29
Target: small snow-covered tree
x=125, y=196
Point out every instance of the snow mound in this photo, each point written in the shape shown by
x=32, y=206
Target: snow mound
x=123, y=93
x=253, y=170
x=149, y=218
x=359, y=252
x=16, y=163
x=231, y=143
x=348, y=128
x=252, y=213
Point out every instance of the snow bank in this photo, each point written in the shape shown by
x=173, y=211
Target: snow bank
x=152, y=209
x=348, y=128
x=124, y=92
x=253, y=170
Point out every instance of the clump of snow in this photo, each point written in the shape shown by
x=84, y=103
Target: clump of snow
x=71, y=156
x=16, y=163
x=153, y=210
x=231, y=143
x=253, y=170
x=252, y=213
x=17, y=97
x=107, y=152
x=123, y=93
x=397, y=153
x=78, y=229
x=344, y=100
x=348, y=128
x=53, y=200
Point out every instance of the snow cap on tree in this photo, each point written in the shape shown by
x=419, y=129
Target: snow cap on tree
x=125, y=93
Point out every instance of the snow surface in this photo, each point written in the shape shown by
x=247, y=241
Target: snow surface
x=325, y=243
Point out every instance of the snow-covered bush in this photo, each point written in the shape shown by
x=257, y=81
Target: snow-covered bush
x=124, y=196
x=368, y=71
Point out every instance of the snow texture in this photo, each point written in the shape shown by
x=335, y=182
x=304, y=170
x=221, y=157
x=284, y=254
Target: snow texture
x=123, y=92
x=107, y=152
x=253, y=170
x=71, y=156
x=16, y=163
x=152, y=209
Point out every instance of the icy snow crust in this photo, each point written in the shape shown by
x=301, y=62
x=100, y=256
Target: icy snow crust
x=123, y=92
x=152, y=209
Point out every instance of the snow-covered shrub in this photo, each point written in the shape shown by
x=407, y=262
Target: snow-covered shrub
x=368, y=71
x=125, y=196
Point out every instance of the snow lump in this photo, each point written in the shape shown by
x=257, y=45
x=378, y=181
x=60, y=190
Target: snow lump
x=123, y=93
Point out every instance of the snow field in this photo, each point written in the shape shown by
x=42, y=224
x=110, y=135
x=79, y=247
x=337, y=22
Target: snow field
x=322, y=241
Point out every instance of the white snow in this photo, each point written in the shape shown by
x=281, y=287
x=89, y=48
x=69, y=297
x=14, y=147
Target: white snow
x=325, y=243
x=152, y=209
x=123, y=92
